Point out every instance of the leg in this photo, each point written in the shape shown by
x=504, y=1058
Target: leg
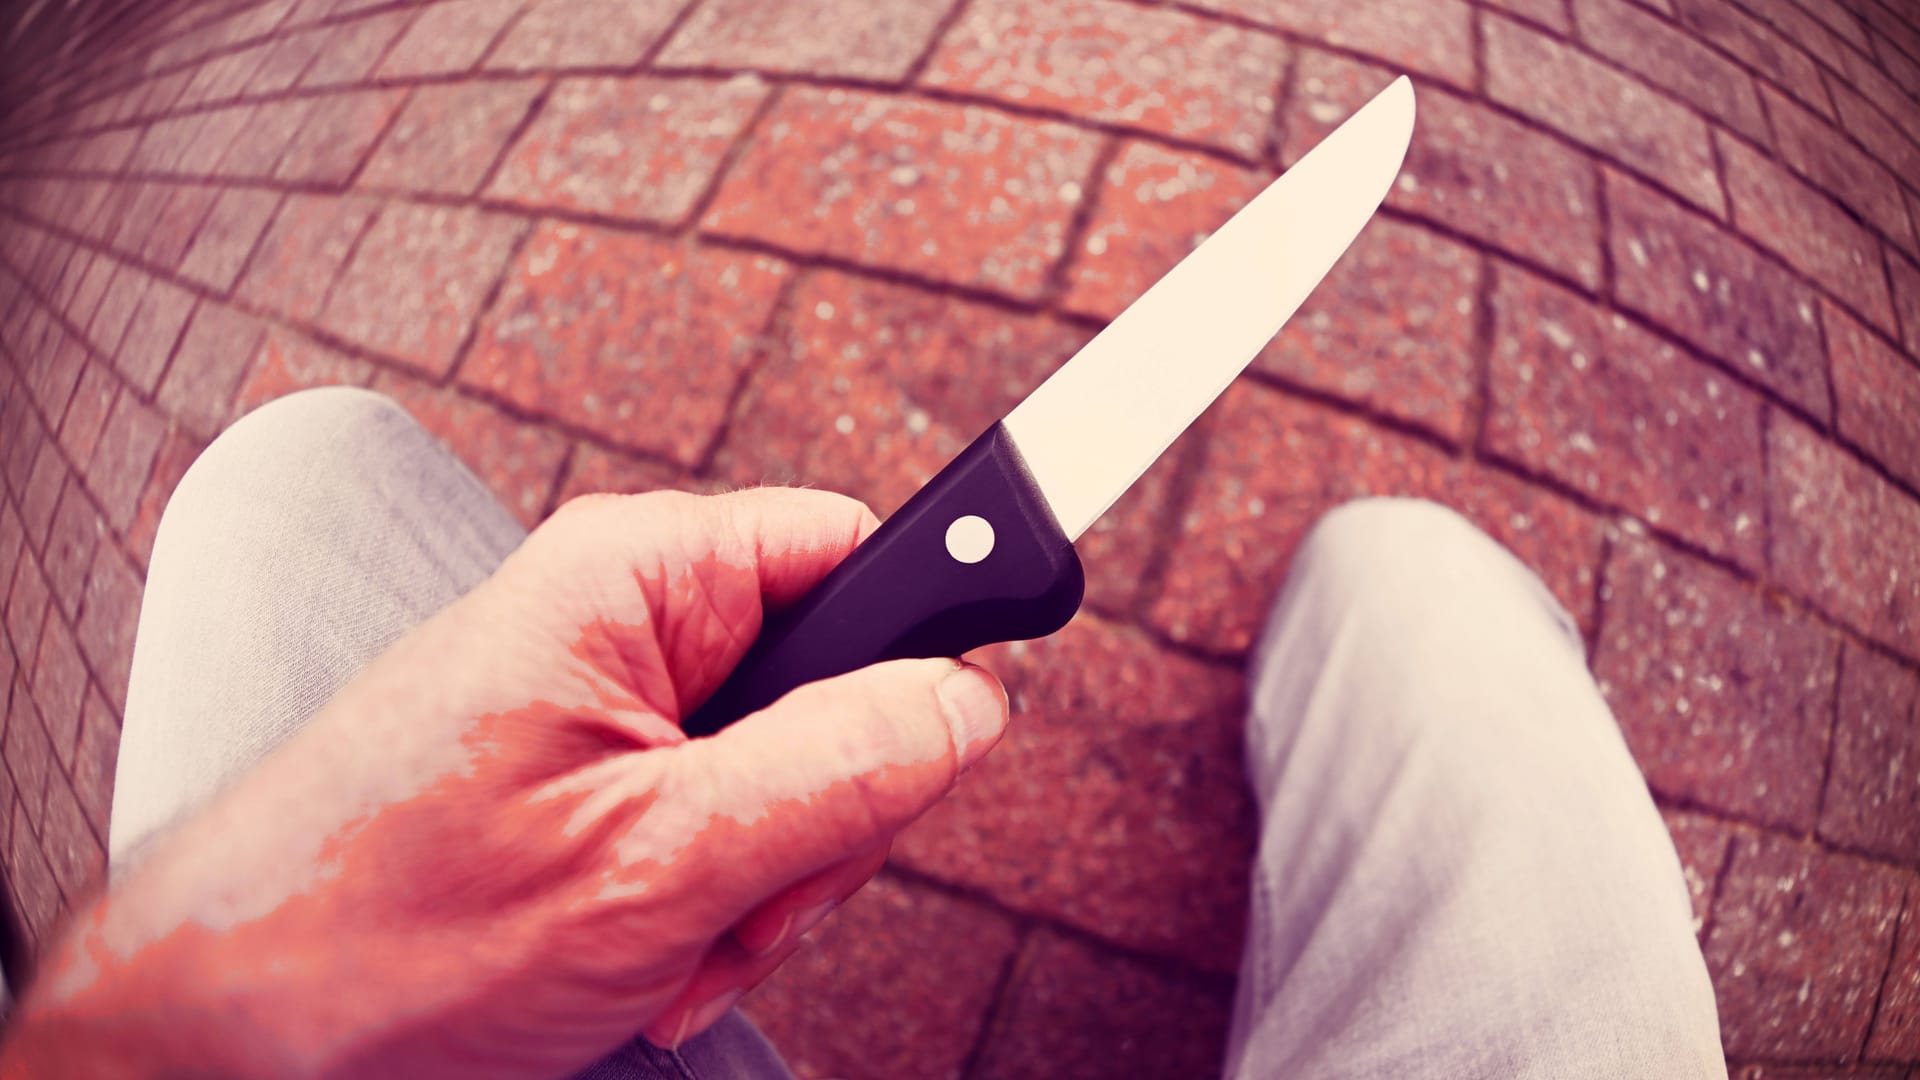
x=1461, y=872
x=307, y=538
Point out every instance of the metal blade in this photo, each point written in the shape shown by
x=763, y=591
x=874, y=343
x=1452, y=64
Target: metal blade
x=1096, y=424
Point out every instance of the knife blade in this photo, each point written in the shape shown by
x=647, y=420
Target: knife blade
x=984, y=551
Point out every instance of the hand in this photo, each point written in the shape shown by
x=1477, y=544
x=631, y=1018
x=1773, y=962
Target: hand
x=494, y=853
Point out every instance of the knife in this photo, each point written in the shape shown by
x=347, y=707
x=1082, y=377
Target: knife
x=984, y=552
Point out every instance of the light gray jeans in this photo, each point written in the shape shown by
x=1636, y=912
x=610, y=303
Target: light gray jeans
x=1461, y=873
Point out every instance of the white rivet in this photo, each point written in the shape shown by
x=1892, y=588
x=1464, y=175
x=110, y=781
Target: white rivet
x=970, y=538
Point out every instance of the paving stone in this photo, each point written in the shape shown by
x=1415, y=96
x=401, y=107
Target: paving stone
x=1699, y=282
x=1725, y=699
x=286, y=60
x=177, y=452
x=593, y=470
x=117, y=305
x=336, y=135
x=1599, y=107
x=1674, y=61
x=1878, y=394
x=302, y=252
x=1818, y=151
x=42, y=493
x=584, y=33
x=77, y=527
x=163, y=143
x=834, y=1008
x=52, y=385
x=1799, y=944
x=1551, y=14
x=1161, y=71
x=1071, y=1010
x=24, y=434
x=519, y=462
x=959, y=193
x=27, y=601
x=417, y=280
x=152, y=334
x=33, y=886
x=108, y=151
x=1606, y=408
x=89, y=292
x=1721, y=23
x=1274, y=463
x=1842, y=537
x=591, y=326
x=1869, y=126
x=223, y=77
x=1154, y=206
x=119, y=466
x=228, y=235
x=859, y=39
x=98, y=756
x=288, y=360
x=1873, y=793
x=1115, y=803
x=29, y=754
x=271, y=127
x=448, y=38
x=1905, y=275
x=78, y=860
x=213, y=355
x=1813, y=235
x=108, y=619
x=1702, y=843
x=354, y=49
x=447, y=137
x=219, y=130
x=1896, y=1026
x=1469, y=168
x=1434, y=37
x=59, y=687
x=637, y=148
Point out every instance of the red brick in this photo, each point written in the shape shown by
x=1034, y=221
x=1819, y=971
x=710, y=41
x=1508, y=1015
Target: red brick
x=1274, y=463
x=288, y=360
x=286, y=60
x=216, y=136
x=1606, y=408
x=223, y=77
x=1834, y=16
x=859, y=39
x=59, y=687
x=959, y=193
x=638, y=148
x=302, y=252
x=108, y=620
x=417, y=280
x=228, y=236
x=1843, y=538
x=88, y=293
x=1114, y=804
x=1434, y=37
x=1726, y=700
x=206, y=370
x=117, y=305
x=834, y=1007
x=1701, y=283
x=1873, y=800
x=119, y=467
x=1073, y=1010
x=42, y=493
x=519, y=462
x=272, y=126
x=447, y=137
x=152, y=333
x=354, y=49
x=592, y=328
x=1674, y=61
x=24, y=435
x=1869, y=126
x=448, y=38
x=1820, y=152
x=1720, y=23
x=1469, y=168
x=1878, y=393
x=176, y=453
x=1906, y=298
x=163, y=143
x=108, y=151
x=77, y=527
x=1896, y=1027
x=584, y=33
x=1162, y=71
x=1154, y=206
x=1814, y=35
x=336, y=135
x=34, y=885
x=1899, y=66
x=98, y=756
x=593, y=470
x=1813, y=235
x=79, y=860
x=1799, y=944
x=52, y=384
x=29, y=754
x=1597, y=106
x=1551, y=14
x=1702, y=843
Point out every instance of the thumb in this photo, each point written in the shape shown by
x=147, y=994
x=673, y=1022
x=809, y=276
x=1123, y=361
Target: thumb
x=832, y=769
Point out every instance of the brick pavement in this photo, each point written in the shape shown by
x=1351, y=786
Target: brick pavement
x=1645, y=304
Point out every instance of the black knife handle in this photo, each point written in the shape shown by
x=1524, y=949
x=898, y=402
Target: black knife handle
x=904, y=593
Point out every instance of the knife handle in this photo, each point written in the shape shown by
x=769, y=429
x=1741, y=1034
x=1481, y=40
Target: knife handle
x=974, y=557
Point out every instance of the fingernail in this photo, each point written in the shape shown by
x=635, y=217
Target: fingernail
x=698, y=1020
x=976, y=711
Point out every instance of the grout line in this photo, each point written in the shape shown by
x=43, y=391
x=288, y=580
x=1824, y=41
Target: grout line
x=776, y=328
x=1833, y=740
x=997, y=1005
x=560, y=477
x=1059, y=276
x=529, y=116
x=689, y=223
x=1876, y=1011
x=917, y=70
x=672, y=30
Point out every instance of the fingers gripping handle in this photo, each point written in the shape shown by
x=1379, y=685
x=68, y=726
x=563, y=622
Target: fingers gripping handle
x=973, y=558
